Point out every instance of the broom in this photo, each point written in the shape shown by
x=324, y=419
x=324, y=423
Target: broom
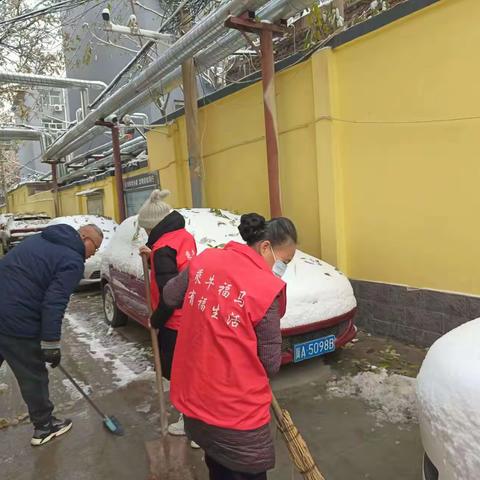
x=297, y=447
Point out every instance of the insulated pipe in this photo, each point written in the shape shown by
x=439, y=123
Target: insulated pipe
x=15, y=133
x=226, y=45
x=126, y=149
x=32, y=80
x=201, y=35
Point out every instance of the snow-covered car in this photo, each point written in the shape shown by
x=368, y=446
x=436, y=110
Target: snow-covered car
x=108, y=227
x=448, y=393
x=4, y=217
x=320, y=299
x=21, y=226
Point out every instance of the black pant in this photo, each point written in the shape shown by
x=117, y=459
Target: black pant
x=24, y=357
x=219, y=472
x=167, y=339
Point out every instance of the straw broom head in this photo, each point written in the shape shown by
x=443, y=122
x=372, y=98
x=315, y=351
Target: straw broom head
x=297, y=447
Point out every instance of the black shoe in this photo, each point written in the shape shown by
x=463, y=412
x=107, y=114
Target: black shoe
x=53, y=429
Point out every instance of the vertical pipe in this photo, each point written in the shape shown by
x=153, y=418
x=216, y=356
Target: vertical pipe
x=193, y=136
x=55, y=189
x=84, y=101
x=271, y=128
x=117, y=161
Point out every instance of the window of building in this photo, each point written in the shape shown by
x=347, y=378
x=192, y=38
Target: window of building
x=95, y=204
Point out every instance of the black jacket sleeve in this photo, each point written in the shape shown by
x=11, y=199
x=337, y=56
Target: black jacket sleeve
x=165, y=262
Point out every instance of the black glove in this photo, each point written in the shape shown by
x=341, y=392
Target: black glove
x=161, y=315
x=51, y=353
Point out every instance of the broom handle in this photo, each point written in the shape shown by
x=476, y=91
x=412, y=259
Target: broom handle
x=277, y=409
x=156, y=351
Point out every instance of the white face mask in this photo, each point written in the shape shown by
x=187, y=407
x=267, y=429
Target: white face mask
x=279, y=267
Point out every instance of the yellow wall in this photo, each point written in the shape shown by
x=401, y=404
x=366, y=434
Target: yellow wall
x=21, y=202
x=234, y=155
x=409, y=149
x=377, y=179
x=379, y=152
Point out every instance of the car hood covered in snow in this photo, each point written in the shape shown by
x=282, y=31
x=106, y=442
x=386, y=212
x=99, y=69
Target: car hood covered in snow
x=316, y=290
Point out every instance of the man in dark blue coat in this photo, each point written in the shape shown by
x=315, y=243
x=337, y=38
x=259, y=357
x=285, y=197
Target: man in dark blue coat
x=37, y=278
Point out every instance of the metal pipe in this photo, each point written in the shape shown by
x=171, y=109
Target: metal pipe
x=201, y=35
x=55, y=189
x=32, y=80
x=84, y=101
x=117, y=160
x=271, y=126
x=106, y=150
x=224, y=46
x=100, y=163
x=17, y=133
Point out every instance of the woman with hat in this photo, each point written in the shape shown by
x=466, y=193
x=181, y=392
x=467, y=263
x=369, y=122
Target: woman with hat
x=170, y=248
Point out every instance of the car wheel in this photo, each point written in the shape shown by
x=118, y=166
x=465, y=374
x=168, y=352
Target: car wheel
x=113, y=315
x=429, y=470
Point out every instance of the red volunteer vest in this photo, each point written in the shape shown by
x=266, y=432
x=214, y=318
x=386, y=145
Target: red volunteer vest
x=184, y=244
x=217, y=375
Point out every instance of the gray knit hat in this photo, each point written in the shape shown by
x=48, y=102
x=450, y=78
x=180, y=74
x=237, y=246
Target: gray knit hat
x=154, y=210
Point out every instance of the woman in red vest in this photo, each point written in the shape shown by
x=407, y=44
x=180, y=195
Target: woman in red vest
x=170, y=248
x=229, y=344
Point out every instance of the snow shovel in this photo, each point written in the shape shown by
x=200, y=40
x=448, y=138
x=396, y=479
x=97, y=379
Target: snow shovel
x=168, y=457
x=109, y=422
x=297, y=447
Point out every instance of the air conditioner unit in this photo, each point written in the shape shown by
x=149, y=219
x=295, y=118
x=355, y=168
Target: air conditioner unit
x=57, y=108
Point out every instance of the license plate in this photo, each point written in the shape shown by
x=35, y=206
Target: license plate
x=313, y=348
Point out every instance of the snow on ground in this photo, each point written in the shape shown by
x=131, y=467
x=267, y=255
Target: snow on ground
x=448, y=390
x=125, y=360
x=316, y=290
x=390, y=397
x=73, y=392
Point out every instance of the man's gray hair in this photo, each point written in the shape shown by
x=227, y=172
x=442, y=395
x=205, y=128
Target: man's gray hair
x=94, y=227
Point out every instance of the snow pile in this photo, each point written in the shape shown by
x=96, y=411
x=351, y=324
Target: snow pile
x=392, y=397
x=448, y=391
x=107, y=225
x=316, y=290
x=122, y=250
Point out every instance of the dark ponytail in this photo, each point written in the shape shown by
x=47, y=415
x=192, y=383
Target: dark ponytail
x=278, y=231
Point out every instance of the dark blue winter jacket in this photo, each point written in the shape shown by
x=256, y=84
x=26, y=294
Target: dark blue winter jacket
x=37, y=278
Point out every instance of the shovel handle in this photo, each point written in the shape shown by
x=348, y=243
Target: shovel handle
x=156, y=352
